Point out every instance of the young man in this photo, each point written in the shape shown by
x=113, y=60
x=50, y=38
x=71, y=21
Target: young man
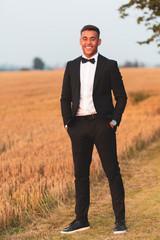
x=90, y=118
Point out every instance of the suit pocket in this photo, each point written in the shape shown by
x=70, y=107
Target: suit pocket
x=109, y=126
x=114, y=128
x=70, y=126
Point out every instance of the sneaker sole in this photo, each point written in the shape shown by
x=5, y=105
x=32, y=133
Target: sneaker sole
x=78, y=230
x=119, y=232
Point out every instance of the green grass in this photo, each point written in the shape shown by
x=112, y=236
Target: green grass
x=141, y=176
x=139, y=144
x=139, y=96
x=2, y=148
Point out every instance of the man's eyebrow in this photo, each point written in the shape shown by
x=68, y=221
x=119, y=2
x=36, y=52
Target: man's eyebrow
x=86, y=37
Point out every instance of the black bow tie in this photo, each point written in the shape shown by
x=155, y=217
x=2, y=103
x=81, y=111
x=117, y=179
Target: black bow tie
x=84, y=60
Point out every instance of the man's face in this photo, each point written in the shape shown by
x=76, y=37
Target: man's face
x=89, y=42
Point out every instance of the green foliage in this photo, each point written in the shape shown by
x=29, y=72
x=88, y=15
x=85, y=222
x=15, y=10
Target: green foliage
x=139, y=145
x=139, y=96
x=38, y=63
x=149, y=14
x=3, y=148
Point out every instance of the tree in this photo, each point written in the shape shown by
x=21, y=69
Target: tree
x=129, y=64
x=38, y=63
x=149, y=14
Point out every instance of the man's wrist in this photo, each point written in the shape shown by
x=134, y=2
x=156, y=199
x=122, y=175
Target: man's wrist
x=113, y=123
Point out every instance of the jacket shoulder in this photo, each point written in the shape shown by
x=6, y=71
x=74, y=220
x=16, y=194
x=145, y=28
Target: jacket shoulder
x=74, y=60
x=107, y=60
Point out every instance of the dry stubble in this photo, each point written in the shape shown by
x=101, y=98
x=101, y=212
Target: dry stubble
x=35, y=153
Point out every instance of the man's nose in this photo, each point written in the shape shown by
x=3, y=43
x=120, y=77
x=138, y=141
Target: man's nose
x=88, y=41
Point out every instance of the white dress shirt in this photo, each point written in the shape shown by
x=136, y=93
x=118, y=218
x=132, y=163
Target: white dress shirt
x=87, y=73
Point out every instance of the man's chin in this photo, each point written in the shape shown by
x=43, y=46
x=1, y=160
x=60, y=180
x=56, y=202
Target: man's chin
x=89, y=54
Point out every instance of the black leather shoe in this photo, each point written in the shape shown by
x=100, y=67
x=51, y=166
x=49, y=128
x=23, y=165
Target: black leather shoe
x=76, y=226
x=120, y=227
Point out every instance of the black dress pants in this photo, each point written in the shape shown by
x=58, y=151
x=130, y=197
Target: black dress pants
x=84, y=133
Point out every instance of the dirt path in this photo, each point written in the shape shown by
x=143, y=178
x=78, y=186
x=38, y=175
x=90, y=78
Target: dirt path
x=142, y=185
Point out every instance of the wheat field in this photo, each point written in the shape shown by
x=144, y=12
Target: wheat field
x=36, y=170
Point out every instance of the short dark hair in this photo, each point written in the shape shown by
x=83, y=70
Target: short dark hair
x=90, y=28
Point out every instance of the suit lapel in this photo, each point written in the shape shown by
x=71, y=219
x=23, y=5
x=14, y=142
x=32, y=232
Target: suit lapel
x=99, y=68
x=77, y=74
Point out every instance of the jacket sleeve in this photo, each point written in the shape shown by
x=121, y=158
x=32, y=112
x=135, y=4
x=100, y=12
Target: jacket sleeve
x=119, y=93
x=66, y=97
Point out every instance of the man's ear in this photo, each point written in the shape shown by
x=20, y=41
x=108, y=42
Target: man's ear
x=99, y=42
x=80, y=41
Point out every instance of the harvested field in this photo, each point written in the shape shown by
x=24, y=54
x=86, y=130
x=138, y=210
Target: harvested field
x=35, y=153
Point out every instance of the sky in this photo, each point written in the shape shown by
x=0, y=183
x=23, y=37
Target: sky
x=50, y=29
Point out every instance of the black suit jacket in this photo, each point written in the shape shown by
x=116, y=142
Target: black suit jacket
x=107, y=78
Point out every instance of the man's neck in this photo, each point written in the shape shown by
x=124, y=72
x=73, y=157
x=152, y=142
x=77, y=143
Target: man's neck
x=94, y=56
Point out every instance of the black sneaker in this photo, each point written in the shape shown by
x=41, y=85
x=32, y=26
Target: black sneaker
x=120, y=227
x=76, y=226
